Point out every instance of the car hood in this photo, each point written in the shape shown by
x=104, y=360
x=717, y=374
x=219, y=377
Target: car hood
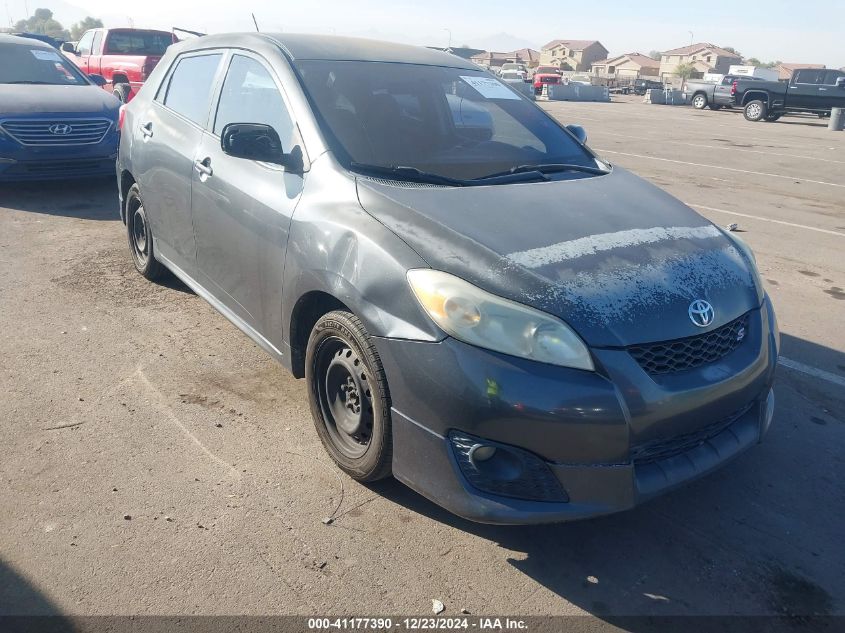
x=615, y=257
x=35, y=100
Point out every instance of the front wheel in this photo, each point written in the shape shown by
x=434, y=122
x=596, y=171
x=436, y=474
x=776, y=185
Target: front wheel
x=349, y=397
x=699, y=102
x=755, y=111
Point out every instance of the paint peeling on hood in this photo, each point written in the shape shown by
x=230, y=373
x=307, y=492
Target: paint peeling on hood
x=615, y=257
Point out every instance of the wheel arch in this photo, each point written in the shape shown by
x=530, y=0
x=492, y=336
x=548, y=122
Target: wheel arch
x=304, y=315
x=126, y=181
x=119, y=78
x=754, y=95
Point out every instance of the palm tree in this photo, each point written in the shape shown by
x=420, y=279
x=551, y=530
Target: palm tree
x=685, y=71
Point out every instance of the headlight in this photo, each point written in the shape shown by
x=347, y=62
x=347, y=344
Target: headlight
x=743, y=247
x=474, y=316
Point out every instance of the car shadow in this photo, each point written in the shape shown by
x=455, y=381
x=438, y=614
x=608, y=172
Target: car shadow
x=94, y=199
x=25, y=608
x=761, y=536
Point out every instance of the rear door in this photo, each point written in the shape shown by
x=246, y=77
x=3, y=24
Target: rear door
x=242, y=208
x=171, y=129
x=803, y=91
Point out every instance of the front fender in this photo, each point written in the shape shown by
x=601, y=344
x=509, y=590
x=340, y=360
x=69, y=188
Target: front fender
x=338, y=249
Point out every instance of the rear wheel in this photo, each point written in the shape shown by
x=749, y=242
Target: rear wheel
x=349, y=397
x=755, y=110
x=140, y=236
x=714, y=106
x=699, y=101
x=121, y=91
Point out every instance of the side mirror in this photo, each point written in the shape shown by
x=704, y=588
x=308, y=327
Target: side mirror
x=578, y=132
x=254, y=141
x=68, y=47
x=97, y=79
x=840, y=82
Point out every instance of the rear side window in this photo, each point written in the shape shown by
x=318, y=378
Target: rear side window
x=190, y=86
x=250, y=95
x=98, y=39
x=808, y=76
x=831, y=76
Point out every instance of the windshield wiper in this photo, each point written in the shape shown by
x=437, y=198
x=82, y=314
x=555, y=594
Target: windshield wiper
x=547, y=168
x=409, y=173
x=44, y=83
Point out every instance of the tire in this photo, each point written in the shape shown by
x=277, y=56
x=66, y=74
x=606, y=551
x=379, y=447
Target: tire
x=714, y=106
x=122, y=91
x=771, y=117
x=823, y=115
x=755, y=111
x=140, y=236
x=699, y=101
x=342, y=367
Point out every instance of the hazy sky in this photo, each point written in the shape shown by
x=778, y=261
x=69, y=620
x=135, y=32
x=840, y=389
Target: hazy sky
x=812, y=31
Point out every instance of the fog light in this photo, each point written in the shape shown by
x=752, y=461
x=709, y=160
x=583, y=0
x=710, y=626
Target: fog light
x=505, y=470
x=481, y=453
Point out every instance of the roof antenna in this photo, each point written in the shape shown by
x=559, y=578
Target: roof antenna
x=255, y=22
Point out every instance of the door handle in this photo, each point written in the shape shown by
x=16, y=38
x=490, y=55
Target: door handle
x=204, y=167
x=147, y=129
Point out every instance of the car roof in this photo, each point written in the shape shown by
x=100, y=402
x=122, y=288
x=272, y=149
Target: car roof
x=330, y=47
x=24, y=41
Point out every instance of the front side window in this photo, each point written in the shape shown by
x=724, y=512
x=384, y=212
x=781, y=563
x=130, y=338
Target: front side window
x=190, y=86
x=452, y=122
x=84, y=45
x=250, y=95
x=807, y=76
x=37, y=65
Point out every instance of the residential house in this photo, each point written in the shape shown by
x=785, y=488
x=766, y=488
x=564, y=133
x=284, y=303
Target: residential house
x=627, y=67
x=704, y=58
x=785, y=70
x=577, y=55
x=489, y=59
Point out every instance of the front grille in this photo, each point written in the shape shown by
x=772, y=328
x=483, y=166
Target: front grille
x=656, y=450
x=40, y=132
x=688, y=353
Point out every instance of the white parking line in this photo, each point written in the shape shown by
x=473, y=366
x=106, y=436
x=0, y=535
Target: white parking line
x=811, y=371
x=773, y=221
x=741, y=171
x=725, y=148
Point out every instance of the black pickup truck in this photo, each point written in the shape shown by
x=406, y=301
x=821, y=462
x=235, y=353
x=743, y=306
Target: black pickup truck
x=811, y=90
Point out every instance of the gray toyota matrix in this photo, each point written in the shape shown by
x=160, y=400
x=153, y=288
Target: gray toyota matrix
x=480, y=305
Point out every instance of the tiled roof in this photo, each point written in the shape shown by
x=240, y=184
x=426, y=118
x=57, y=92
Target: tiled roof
x=576, y=45
x=785, y=70
x=638, y=58
x=694, y=48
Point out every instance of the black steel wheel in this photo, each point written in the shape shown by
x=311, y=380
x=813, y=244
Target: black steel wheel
x=349, y=398
x=140, y=236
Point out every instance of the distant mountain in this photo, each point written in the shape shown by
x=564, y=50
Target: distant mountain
x=64, y=12
x=502, y=42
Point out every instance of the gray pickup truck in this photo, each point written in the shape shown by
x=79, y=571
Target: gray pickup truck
x=702, y=94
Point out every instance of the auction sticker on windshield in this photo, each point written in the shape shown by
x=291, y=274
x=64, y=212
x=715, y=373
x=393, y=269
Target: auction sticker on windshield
x=490, y=88
x=46, y=56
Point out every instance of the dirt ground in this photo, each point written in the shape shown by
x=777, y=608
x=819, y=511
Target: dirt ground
x=153, y=460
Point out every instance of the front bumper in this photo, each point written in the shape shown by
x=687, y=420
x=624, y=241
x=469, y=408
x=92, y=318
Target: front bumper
x=584, y=426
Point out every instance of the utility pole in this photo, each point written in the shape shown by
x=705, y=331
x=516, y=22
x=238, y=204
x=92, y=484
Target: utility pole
x=449, y=31
x=691, y=37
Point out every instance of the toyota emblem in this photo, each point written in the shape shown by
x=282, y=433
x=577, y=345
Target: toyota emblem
x=60, y=129
x=701, y=313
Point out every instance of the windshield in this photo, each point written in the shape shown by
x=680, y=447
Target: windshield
x=138, y=42
x=546, y=69
x=36, y=65
x=451, y=122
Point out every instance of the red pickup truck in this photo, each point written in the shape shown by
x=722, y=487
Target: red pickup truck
x=124, y=57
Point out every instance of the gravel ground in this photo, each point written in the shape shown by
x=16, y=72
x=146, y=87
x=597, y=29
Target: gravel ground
x=155, y=461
